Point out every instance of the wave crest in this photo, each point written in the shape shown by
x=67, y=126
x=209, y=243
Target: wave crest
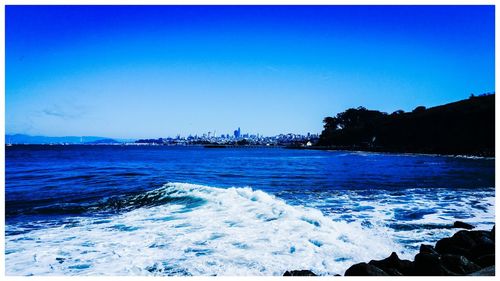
x=202, y=230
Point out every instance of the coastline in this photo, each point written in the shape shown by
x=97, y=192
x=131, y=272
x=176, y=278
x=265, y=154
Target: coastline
x=322, y=148
x=392, y=152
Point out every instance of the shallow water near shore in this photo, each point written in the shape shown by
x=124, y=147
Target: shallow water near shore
x=113, y=210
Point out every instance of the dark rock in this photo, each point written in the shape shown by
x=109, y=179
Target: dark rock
x=481, y=236
x=486, y=260
x=471, y=244
x=484, y=245
x=393, y=265
x=430, y=265
x=449, y=246
x=464, y=239
x=459, y=224
x=364, y=269
x=459, y=264
x=427, y=265
x=428, y=249
x=299, y=273
x=487, y=271
x=393, y=272
x=482, y=250
x=465, y=253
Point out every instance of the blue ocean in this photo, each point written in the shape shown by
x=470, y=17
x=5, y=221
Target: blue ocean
x=159, y=210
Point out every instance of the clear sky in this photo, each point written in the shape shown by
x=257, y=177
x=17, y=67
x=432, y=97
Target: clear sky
x=157, y=71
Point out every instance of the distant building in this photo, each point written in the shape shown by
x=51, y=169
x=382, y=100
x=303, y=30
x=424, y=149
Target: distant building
x=237, y=133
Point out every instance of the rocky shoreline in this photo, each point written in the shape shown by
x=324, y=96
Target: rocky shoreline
x=467, y=252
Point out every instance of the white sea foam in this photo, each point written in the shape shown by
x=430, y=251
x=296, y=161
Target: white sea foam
x=413, y=216
x=234, y=231
x=474, y=157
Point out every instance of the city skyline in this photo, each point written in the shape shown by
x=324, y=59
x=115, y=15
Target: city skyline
x=214, y=133
x=149, y=71
x=238, y=137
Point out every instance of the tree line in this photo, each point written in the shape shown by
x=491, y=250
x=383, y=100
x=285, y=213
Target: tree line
x=465, y=127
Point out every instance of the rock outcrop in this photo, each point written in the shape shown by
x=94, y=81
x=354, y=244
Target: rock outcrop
x=299, y=273
x=467, y=252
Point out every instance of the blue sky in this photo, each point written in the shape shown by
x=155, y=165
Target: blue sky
x=156, y=71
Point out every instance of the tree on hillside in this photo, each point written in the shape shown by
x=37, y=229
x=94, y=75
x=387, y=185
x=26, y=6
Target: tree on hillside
x=419, y=109
x=353, y=126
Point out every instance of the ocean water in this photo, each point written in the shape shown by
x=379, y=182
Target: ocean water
x=122, y=210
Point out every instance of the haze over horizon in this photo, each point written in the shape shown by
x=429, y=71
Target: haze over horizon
x=148, y=71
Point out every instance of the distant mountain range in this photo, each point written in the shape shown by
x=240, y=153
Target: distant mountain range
x=27, y=139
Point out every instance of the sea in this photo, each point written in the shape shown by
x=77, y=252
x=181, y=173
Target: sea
x=181, y=211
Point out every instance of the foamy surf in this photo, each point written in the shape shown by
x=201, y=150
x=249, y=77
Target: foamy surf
x=206, y=231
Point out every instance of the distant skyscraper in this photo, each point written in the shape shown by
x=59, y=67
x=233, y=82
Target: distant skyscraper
x=237, y=133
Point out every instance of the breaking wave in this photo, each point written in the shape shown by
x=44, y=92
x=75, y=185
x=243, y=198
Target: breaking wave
x=187, y=229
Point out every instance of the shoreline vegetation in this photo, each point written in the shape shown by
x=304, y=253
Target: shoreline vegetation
x=465, y=127
x=466, y=253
